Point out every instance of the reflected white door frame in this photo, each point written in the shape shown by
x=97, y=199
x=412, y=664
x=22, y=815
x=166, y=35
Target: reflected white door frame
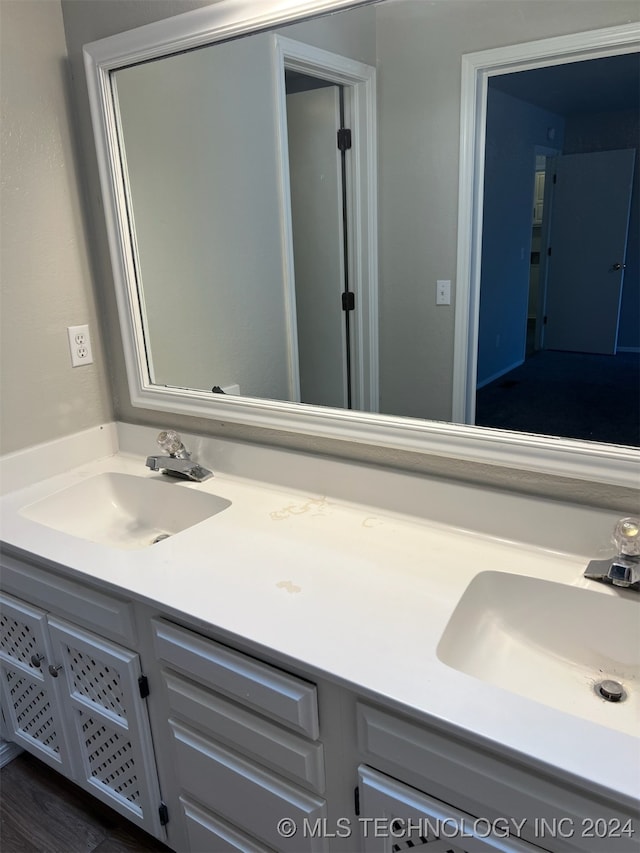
x=476, y=70
x=359, y=82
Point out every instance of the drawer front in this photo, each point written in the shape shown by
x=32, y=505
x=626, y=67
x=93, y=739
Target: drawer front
x=459, y=774
x=106, y=614
x=287, y=699
x=244, y=794
x=299, y=759
x=408, y=818
x=206, y=832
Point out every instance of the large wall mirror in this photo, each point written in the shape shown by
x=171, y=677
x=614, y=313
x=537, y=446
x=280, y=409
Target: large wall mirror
x=261, y=176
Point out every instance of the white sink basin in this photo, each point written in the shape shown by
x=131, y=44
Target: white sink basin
x=551, y=643
x=125, y=511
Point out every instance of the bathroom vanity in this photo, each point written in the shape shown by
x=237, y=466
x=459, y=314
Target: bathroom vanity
x=301, y=653
x=372, y=659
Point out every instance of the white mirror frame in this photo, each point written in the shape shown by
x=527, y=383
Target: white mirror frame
x=591, y=461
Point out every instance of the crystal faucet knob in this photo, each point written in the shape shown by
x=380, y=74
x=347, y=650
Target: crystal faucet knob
x=170, y=441
x=626, y=537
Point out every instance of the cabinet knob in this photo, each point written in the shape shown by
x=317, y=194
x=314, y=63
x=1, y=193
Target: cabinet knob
x=36, y=660
x=54, y=670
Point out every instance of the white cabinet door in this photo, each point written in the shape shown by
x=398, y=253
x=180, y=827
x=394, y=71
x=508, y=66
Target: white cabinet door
x=100, y=688
x=30, y=698
x=395, y=818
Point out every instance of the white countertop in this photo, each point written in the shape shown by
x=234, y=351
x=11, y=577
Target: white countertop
x=351, y=589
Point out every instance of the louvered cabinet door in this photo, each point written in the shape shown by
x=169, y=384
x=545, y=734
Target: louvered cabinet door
x=100, y=682
x=30, y=698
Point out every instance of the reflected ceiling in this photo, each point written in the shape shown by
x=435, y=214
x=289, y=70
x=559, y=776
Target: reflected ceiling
x=577, y=88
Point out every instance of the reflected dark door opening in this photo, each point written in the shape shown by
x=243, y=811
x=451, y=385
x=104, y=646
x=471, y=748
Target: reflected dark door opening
x=542, y=366
x=574, y=383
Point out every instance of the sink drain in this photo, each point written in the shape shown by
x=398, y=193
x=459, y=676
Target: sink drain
x=610, y=690
x=160, y=537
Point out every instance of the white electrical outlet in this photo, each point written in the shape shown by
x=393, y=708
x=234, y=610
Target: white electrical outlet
x=80, y=345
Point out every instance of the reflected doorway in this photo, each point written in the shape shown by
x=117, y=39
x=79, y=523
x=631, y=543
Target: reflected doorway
x=317, y=131
x=347, y=88
x=580, y=119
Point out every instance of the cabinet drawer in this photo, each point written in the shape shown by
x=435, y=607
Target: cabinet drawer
x=207, y=832
x=284, y=697
x=245, y=794
x=408, y=818
x=295, y=756
x=457, y=773
x=106, y=614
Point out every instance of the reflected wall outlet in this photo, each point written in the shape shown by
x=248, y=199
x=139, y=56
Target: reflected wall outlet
x=80, y=345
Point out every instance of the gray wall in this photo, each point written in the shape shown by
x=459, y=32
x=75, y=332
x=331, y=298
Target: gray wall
x=44, y=265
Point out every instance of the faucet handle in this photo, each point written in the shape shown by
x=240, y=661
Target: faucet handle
x=626, y=537
x=171, y=443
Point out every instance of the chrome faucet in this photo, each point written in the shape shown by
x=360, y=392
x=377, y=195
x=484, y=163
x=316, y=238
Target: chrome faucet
x=624, y=568
x=178, y=463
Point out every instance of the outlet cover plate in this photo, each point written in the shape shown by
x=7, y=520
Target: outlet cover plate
x=80, y=345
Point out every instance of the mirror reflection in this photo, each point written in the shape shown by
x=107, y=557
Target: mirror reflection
x=249, y=211
x=559, y=308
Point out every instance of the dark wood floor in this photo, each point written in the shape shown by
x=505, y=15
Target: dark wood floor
x=41, y=812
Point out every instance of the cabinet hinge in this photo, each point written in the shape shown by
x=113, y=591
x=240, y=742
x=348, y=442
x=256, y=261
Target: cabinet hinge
x=344, y=139
x=143, y=686
x=348, y=300
x=356, y=800
x=163, y=812
x=555, y=179
x=544, y=322
x=549, y=251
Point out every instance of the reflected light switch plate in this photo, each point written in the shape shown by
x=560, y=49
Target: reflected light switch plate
x=443, y=292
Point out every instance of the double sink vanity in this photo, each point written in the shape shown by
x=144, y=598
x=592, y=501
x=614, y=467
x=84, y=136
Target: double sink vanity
x=396, y=651
x=304, y=654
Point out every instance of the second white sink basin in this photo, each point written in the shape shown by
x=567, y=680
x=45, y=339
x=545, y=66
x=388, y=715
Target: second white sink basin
x=125, y=511
x=549, y=642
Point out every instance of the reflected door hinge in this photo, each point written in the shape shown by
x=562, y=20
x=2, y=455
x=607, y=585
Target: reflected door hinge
x=549, y=251
x=555, y=179
x=143, y=686
x=348, y=300
x=544, y=321
x=163, y=812
x=344, y=139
